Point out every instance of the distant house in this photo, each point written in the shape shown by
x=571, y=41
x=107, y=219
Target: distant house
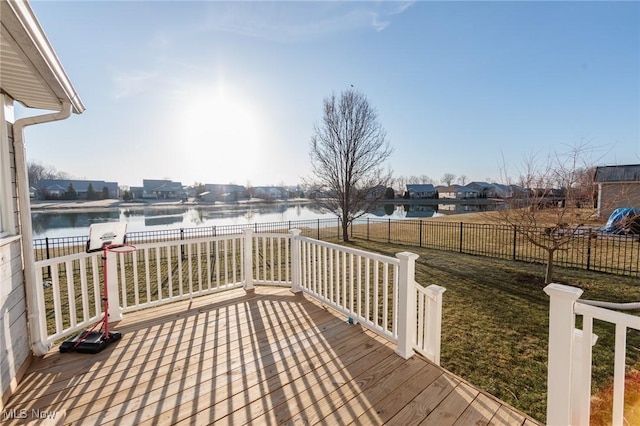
x=519, y=191
x=160, y=189
x=136, y=191
x=56, y=188
x=618, y=186
x=376, y=193
x=457, y=192
x=491, y=190
x=270, y=192
x=502, y=191
x=425, y=190
x=221, y=192
x=485, y=189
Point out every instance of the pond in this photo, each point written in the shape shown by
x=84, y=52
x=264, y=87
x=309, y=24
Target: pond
x=62, y=223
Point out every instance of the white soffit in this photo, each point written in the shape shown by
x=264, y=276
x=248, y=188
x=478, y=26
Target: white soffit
x=30, y=71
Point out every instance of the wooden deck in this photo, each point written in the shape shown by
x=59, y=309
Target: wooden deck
x=269, y=357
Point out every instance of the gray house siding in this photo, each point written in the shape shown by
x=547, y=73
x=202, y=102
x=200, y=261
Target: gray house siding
x=614, y=195
x=618, y=186
x=14, y=341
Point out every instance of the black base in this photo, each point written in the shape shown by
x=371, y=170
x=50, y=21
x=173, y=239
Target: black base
x=91, y=342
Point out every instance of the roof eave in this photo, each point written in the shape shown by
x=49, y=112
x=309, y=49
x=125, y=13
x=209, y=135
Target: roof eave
x=21, y=23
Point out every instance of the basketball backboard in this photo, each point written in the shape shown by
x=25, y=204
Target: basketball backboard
x=106, y=234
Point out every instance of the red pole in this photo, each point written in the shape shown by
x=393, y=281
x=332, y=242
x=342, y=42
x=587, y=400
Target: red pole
x=105, y=296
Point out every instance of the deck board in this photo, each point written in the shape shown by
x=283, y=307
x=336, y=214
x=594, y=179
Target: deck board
x=263, y=357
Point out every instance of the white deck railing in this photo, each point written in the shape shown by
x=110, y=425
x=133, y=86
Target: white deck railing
x=429, y=328
x=362, y=285
x=159, y=273
x=570, y=356
x=377, y=291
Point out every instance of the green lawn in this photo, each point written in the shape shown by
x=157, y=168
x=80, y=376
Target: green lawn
x=495, y=321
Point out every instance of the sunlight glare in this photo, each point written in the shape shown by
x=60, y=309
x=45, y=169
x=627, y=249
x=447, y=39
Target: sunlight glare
x=221, y=130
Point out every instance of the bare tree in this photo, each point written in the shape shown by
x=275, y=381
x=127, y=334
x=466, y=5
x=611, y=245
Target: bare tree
x=462, y=180
x=425, y=179
x=559, y=200
x=348, y=150
x=38, y=171
x=447, y=178
x=400, y=184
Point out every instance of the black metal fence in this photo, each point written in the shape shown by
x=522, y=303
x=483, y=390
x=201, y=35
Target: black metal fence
x=590, y=250
x=615, y=254
x=321, y=229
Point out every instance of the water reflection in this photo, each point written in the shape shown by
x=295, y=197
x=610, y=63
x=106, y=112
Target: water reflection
x=76, y=223
x=419, y=211
x=44, y=221
x=70, y=223
x=465, y=208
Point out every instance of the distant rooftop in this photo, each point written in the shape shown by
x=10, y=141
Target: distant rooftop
x=626, y=173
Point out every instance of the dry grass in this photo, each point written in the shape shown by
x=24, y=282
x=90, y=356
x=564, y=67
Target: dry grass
x=602, y=402
x=546, y=217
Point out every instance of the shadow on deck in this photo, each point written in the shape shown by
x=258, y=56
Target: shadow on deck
x=266, y=357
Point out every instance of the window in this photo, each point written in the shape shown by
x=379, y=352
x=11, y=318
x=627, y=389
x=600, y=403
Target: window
x=7, y=177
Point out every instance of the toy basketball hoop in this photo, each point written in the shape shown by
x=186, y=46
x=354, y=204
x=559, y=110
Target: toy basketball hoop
x=108, y=237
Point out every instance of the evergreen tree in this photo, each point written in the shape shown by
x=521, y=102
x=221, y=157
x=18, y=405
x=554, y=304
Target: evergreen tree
x=91, y=193
x=389, y=194
x=70, y=193
x=105, y=193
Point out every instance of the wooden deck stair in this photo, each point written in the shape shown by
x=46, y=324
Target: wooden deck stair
x=268, y=357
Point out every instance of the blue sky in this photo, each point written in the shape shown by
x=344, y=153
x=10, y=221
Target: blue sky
x=221, y=92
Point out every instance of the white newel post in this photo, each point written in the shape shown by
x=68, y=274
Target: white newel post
x=434, y=321
x=295, y=261
x=248, y=259
x=407, y=315
x=561, y=332
x=581, y=383
x=115, y=310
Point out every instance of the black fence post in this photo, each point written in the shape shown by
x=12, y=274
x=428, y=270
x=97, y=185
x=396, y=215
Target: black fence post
x=46, y=241
x=589, y=250
x=181, y=246
x=515, y=239
x=420, y=232
x=318, y=229
x=460, y=246
x=389, y=232
x=368, y=222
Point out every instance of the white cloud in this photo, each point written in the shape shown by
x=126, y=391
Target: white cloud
x=289, y=22
x=377, y=24
x=397, y=7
